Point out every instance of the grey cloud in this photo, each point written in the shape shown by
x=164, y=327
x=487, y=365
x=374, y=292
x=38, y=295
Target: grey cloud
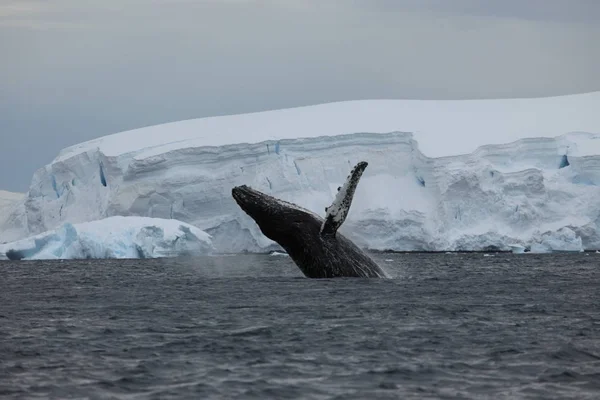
x=587, y=11
x=82, y=69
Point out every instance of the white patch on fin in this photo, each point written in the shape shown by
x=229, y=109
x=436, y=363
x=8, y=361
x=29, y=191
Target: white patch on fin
x=338, y=210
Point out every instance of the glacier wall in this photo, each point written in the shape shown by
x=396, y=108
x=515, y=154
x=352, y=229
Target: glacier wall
x=12, y=212
x=536, y=191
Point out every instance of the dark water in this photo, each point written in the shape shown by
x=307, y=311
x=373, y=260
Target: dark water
x=446, y=326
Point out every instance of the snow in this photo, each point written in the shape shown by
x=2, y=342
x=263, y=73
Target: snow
x=563, y=240
x=442, y=175
x=9, y=202
x=7, y=199
x=442, y=127
x=115, y=237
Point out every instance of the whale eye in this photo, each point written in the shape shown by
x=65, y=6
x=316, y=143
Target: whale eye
x=339, y=187
x=326, y=208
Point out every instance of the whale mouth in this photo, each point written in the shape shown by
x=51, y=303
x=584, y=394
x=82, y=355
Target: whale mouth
x=244, y=195
x=251, y=201
x=254, y=203
x=240, y=193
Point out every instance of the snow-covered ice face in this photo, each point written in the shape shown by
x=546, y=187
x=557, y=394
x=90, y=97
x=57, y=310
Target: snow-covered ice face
x=279, y=220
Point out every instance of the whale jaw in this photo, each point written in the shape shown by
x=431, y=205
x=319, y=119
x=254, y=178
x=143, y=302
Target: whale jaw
x=278, y=220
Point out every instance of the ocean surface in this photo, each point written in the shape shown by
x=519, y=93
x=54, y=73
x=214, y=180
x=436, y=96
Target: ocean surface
x=251, y=326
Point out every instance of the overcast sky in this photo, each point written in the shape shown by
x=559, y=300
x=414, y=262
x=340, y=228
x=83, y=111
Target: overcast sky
x=73, y=70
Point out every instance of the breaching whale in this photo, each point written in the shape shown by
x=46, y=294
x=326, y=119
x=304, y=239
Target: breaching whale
x=314, y=243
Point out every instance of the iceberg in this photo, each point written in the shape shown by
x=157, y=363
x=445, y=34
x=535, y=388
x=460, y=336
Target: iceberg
x=114, y=237
x=443, y=175
x=278, y=254
x=517, y=248
x=563, y=240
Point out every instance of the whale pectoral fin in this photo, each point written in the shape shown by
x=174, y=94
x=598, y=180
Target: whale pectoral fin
x=338, y=210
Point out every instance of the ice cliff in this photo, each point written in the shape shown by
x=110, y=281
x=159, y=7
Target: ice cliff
x=442, y=175
x=114, y=237
x=11, y=206
x=8, y=200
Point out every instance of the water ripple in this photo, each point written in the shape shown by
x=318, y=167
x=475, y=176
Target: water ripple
x=447, y=326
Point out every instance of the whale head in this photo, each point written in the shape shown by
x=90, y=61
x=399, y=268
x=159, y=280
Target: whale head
x=278, y=220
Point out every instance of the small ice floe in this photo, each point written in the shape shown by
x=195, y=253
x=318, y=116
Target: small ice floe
x=388, y=260
x=279, y=253
x=517, y=248
x=488, y=255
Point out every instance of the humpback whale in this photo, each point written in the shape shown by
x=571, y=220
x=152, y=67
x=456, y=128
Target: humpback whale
x=313, y=242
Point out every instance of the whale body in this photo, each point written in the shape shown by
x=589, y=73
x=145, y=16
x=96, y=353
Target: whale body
x=312, y=241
